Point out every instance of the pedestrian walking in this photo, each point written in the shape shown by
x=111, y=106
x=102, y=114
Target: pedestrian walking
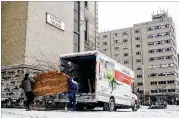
x=26, y=85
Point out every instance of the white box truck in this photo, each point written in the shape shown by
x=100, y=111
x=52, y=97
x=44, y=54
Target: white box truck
x=102, y=81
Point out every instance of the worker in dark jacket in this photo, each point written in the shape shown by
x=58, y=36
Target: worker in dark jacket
x=26, y=85
x=70, y=70
x=73, y=88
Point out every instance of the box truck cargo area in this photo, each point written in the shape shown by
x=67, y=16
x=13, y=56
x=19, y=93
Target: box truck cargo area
x=84, y=71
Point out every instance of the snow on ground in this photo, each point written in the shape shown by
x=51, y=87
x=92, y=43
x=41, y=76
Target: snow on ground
x=170, y=112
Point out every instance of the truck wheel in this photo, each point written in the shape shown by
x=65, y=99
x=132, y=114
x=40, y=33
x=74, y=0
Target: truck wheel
x=112, y=106
x=134, y=107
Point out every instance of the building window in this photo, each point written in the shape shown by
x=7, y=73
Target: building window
x=86, y=30
x=76, y=46
x=116, y=48
x=171, y=90
x=138, y=53
x=76, y=42
x=158, y=27
x=126, y=54
x=159, y=50
x=125, y=40
x=76, y=26
x=139, y=83
x=125, y=47
x=162, y=90
x=77, y=5
x=151, y=51
x=137, y=38
x=151, y=59
x=76, y=16
x=126, y=61
x=160, y=42
x=104, y=43
x=125, y=34
x=163, y=66
x=86, y=4
x=116, y=41
x=150, y=43
x=161, y=82
x=137, y=45
x=153, y=91
x=138, y=60
x=164, y=74
x=115, y=34
x=136, y=31
x=104, y=50
x=162, y=58
x=159, y=35
x=139, y=68
x=105, y=36
x=139, y=76
x=170, y=82
x=153, y=83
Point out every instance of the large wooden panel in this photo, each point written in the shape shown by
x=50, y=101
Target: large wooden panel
x=50, y=83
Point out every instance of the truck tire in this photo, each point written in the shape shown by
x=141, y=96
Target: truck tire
x=80, y=107
x=112, y=105
x=134, y=107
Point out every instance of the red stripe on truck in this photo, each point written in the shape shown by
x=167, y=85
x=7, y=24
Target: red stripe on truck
x=119, y=76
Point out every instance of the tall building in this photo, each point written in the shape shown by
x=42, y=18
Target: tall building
x=149, y=49
x=36, y=33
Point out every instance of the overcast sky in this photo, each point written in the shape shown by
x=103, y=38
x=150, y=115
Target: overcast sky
x=117, y=15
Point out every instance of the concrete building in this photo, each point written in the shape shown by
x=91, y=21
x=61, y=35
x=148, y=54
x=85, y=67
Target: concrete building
x=149, y=49
x=34, y=34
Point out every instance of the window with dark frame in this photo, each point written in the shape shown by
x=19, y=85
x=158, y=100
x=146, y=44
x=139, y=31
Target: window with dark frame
x=137, y=38
x=139, y=83
x=153, y=91
x=139, y=76
x=104, y=43
x=161, y=82
x=126, y=54
x=104, y=50
x=105, y=36
x=138, y=60
x=139, y=68
x=153, y=83
x=136, y=31
x=137, y=45
x=170, y=82
x=138, y=53
x=125, y=40
x=76, y=46
x=125, y=34
x=116, y=48
x=126, y=61
x=86, y=30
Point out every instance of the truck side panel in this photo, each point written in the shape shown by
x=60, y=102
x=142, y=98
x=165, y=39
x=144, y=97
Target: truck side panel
x=113, y=80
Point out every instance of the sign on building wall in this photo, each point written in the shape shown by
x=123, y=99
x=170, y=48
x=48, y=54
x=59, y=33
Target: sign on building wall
x=54, y=21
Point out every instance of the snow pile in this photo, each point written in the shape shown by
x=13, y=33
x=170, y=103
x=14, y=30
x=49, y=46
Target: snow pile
x=171, y=111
